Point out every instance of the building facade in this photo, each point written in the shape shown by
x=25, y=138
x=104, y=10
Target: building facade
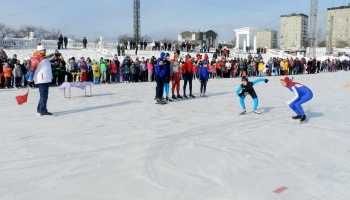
x=208, y=38
x=245, y=39
x=266, y=39
x=294, y=32
x=188, y=36
x=338, y=27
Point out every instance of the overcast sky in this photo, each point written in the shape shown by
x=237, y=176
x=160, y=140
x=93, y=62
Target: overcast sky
x=160, y=18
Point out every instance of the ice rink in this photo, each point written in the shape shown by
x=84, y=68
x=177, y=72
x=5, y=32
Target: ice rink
x=119, y=145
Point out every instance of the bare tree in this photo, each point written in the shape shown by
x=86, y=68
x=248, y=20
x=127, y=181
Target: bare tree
x=342, y=44
x=146, y=38
x=322, y=43
x=5, y=31
x=25, y=30
x=167, y=40
x=2, y=31
x=124, y=38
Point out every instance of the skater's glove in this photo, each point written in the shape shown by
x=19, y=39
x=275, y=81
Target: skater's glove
x=266, y=80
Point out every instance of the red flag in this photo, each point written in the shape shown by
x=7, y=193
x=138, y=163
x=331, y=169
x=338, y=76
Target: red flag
x=22, y=99
x=280, y=190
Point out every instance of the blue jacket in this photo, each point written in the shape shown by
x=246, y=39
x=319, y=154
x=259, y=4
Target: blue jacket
x=203, y=73
x=167, y=67
x=160, y=69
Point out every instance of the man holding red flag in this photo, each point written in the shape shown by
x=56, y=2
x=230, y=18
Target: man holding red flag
x=42, y=78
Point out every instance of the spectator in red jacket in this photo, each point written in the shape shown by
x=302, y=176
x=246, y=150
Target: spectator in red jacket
x=113, y=70
x=117, y=63
x=187, y=70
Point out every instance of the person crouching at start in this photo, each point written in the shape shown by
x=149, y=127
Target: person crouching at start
x=302, y=93
x=247, y=88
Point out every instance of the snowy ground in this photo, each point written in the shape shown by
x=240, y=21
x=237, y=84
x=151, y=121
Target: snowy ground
x=119, y=145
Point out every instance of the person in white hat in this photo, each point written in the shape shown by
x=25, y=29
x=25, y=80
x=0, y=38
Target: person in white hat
x=42, y=79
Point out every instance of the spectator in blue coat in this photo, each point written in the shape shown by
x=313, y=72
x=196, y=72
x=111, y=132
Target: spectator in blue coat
x=203, y=76
x=160, y=76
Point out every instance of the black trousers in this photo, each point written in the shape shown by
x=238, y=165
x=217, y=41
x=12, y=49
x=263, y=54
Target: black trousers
x=159, y=88
x=203, y=86
x=18, y=81
x=187, y=79
x=44, y=95
x=8, y=82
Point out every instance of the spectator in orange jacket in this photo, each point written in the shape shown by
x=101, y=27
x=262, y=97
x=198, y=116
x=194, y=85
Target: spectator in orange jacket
x=7, y=75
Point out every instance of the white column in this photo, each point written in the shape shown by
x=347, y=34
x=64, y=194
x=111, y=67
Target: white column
x=245, y=45
x=254, y=44
x=248, y=39
x=237, y=40
x=179, y=37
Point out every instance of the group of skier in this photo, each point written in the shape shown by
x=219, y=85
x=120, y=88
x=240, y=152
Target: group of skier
x=171, y=69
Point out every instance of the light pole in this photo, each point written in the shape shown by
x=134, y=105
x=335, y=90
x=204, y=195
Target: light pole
x=137, y=24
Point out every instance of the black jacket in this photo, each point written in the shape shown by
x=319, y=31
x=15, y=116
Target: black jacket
x=248, y=89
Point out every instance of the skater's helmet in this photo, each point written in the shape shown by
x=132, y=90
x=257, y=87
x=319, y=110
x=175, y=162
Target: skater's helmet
x=288, y=82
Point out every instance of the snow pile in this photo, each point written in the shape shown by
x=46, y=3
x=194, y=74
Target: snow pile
x=118, y=144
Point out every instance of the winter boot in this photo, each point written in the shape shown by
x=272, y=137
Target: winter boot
x=257, y=112
x=303, y=118
x=243, y=112
x=297, y=117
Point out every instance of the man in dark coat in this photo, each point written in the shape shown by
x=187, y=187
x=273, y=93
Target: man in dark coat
x=65, y=40
x=85, y=42
x=60, y=42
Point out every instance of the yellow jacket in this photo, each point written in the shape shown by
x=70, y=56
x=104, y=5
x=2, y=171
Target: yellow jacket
x=261, y=67
x=284, y=65
x=96, y=70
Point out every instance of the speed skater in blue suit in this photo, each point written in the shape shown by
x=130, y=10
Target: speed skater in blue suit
x=302, y=93
x=247, y=88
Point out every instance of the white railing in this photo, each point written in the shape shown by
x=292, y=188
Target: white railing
x=19, y=43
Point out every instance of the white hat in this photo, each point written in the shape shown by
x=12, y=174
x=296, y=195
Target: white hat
x=40, y=48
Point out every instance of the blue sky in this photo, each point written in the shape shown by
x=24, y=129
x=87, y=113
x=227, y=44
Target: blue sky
x=160, y=18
